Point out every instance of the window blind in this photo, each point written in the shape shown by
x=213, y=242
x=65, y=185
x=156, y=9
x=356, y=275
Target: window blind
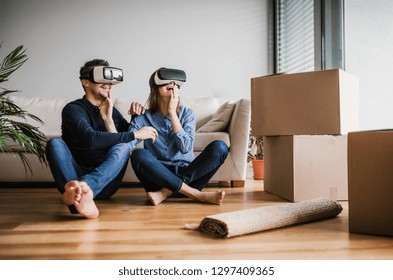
x=295, y=36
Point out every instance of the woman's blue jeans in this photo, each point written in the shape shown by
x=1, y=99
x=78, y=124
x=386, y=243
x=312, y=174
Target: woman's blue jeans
x=104, y=180
x=154, y=175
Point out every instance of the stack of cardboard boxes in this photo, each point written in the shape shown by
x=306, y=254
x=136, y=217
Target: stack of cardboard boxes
x=305, y=119
x=313, y=148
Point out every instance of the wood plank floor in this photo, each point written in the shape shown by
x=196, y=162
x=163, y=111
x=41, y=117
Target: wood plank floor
x=34, y=224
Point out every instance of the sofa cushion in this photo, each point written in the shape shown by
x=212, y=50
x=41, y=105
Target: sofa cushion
x=204, y=108
x=47, y=109
x=220, y=119
x=203, y=139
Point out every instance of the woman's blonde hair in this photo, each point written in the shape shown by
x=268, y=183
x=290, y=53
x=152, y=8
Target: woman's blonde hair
x=153, y=101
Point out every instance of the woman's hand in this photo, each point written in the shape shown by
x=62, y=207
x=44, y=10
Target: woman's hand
x=174, y=101
x=172, y=106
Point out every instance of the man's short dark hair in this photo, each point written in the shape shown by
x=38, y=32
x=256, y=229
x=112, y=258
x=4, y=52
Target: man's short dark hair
x=91, y=64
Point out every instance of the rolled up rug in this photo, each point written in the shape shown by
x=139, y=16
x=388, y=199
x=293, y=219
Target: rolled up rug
x=263, y=218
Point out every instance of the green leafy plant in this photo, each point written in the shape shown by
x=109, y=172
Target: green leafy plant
x=16, y=135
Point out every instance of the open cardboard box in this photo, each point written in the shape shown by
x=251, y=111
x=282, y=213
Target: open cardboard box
x=310, y=103
x=370, y=182
x=304, y=167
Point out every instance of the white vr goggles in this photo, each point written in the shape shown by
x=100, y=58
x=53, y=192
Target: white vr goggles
x=164, y=76
x=104, y=75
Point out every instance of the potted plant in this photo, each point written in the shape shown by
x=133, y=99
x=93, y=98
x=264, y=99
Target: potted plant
x=255, y=154
x=14, y=131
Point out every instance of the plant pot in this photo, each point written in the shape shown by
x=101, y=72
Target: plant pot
x=258, y=168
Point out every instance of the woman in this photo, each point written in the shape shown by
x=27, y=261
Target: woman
x=167, y=166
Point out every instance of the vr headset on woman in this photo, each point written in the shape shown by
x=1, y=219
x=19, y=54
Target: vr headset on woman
x=164, y=76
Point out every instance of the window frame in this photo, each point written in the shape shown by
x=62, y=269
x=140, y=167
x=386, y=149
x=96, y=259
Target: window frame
x=329, y=34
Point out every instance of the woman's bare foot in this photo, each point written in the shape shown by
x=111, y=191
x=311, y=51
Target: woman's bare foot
x=208, y=197
x=159, y=196
x=86, y=205
x=73, y=192
x=212, y=197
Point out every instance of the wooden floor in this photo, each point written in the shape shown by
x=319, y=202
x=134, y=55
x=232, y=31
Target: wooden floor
x=34, y=224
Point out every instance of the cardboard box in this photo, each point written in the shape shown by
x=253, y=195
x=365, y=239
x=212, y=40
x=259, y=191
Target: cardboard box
x=370, y=182
x=304, y=167
x=311, y=103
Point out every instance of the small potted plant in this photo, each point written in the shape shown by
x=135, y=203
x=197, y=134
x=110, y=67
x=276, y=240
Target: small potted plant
x=255, y=154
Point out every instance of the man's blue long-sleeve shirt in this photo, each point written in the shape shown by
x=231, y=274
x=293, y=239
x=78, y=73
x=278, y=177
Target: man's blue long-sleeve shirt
x=85, y=133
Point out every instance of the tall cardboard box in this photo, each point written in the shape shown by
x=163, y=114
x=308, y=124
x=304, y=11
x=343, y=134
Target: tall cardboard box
x=311, y=103
x=304, y=167
x=370, y=182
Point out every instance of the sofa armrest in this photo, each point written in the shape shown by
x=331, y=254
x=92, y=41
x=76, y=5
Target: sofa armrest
x=239, y=130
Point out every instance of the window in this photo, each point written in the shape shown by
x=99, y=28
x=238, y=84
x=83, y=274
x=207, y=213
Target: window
x=295, y=35
x=309, y=35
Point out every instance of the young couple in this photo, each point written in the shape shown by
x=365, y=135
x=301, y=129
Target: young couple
x=90, y=160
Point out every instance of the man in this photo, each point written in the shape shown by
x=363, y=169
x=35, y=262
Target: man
x=90, y=160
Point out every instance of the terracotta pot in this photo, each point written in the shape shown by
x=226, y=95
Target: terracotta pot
x=258, y=168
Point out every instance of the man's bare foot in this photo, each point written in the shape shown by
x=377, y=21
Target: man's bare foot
x=159, y=196
x=73, y=192
x=86, y=205
x=212, y=197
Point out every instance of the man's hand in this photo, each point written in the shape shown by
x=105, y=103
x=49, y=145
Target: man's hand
x=146, y=132
x=106, y=110
x=136, y=109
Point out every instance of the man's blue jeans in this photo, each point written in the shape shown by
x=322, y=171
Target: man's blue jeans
x=154, y=175
x=104, y=180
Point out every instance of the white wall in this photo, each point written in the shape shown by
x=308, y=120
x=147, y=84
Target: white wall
x=220, y=44
x=369, y=56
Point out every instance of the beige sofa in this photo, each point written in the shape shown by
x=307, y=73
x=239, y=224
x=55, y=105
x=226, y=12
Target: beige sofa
x=211, y=113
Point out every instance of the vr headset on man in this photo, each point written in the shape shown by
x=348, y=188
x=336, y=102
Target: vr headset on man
x=104, y=75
